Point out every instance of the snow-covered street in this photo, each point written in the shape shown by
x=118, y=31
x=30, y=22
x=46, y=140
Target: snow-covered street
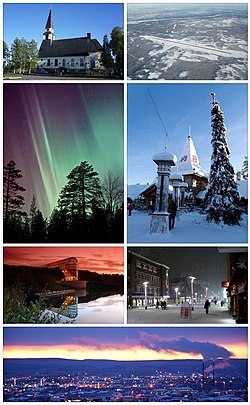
x=191, y=227
x=217, y=314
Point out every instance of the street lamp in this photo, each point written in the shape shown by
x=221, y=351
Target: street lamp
x=145, y=292
x=176, y=295
x=192, y=291
x=196, y=295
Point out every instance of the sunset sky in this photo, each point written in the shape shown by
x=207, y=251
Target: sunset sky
x=98, y=259
x=130, y=343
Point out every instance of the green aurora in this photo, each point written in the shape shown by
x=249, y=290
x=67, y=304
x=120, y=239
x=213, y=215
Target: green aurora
x=50, y=128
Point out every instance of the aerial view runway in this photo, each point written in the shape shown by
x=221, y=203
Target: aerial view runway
x=190, y=45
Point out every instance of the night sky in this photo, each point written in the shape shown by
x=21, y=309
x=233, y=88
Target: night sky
x=50, y=128
x=130, y=343
x=98, y=259
x=206, y=264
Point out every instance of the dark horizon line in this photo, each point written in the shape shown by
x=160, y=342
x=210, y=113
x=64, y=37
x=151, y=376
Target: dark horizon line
x=44, y=266
x=117, y=361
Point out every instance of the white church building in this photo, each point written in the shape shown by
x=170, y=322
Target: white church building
x=63, y=55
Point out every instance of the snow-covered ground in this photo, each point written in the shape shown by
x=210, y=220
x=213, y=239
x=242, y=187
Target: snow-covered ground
x=206, y=50
x=216, y=314
x=191, y=227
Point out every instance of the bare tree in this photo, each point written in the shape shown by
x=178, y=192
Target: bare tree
x=113, y=193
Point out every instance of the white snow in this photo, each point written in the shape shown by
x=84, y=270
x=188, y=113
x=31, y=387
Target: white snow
x=206, y=50
x=134, y=190
x=217, y=314
x=192, y=227
x=184, y=74
x=153, y=76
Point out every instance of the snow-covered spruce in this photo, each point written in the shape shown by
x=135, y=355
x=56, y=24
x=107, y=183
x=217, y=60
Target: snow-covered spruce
x=222, y=197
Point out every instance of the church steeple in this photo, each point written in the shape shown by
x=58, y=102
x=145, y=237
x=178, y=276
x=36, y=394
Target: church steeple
x=49, y=33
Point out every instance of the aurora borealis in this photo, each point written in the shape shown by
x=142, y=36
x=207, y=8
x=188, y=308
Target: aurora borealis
x=50, y=128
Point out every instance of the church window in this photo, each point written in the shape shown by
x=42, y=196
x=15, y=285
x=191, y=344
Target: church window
x=48, y=62
x=81, y=61
x=72, y=62
x=64, y=62
x=56, y=62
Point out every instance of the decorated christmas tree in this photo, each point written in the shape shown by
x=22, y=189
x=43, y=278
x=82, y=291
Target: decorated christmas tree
x=222, y=197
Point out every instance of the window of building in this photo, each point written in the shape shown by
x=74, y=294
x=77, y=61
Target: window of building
x=72, y=62
x=48, y=62
x=64, y=62
x=56, y=62
x=81, y=61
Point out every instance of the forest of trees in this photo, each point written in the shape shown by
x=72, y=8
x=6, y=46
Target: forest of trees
x=22, y=57
x=87, y=210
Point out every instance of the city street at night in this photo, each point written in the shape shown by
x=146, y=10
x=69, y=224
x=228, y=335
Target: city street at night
x=172, y=314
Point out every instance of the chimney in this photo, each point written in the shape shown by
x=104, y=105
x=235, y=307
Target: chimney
x=203, y=373
x=89, y=35
x=213, y=374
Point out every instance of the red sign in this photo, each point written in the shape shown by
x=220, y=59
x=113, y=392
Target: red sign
x=225, y=284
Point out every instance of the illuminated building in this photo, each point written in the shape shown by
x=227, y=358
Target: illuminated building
x=141, y=270
x=68, y=266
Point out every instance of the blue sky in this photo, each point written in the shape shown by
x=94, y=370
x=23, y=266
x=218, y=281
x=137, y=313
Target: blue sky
x=180, y=106
x=70, y=20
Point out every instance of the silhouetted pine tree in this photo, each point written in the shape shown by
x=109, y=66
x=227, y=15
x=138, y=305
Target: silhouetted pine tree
x=37, y=224
x=57, y=229
x=76, y=200
x=222, y=198
x=13, y=202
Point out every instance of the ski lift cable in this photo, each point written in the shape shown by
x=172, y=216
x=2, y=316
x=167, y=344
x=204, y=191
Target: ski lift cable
x=157, y=111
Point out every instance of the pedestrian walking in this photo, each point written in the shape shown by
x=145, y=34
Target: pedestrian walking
x=130, y=207
x=206, y=306
x=172, y=209
x=157, y=304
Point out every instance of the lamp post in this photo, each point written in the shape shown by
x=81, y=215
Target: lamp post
x=160, y=217
x=145, y=293
x=206, y=292
x=192, y=291
x=176, y=295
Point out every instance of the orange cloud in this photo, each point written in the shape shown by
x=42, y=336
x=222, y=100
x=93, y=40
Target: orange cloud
x=79, y=353
x=239, y=350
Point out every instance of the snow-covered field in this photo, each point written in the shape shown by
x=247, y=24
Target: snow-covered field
x=206, y=50
x=191, y=227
